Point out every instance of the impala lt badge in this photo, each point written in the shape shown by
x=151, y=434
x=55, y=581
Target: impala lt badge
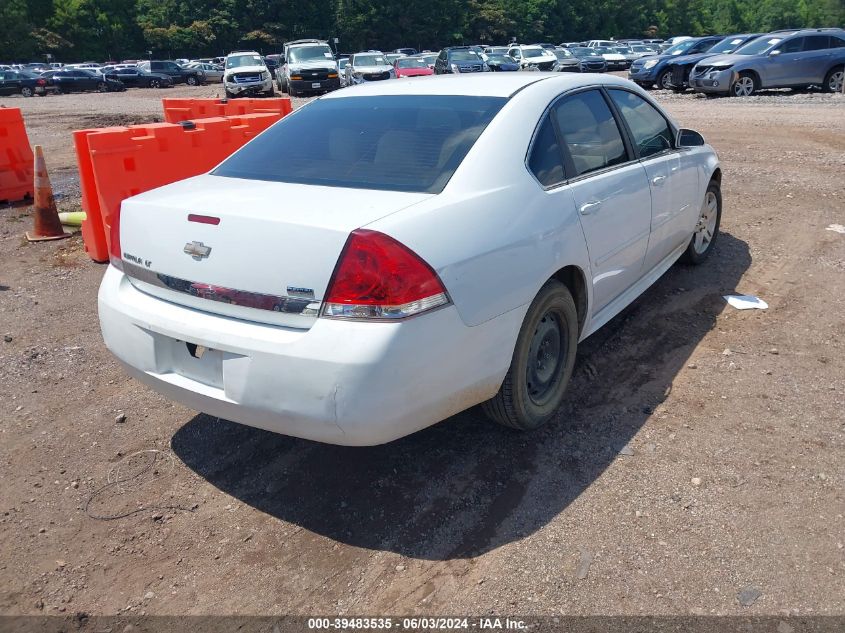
x=197, y=250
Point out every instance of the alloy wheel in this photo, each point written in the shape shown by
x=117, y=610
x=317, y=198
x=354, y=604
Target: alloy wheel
x=835, y=81
x=744, y=87
x=705, y=229
x=26, y=91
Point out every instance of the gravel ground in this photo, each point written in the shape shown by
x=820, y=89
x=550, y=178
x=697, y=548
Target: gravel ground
x=697, y=468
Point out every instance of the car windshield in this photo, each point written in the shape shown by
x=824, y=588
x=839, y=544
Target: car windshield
x=497, y=57
x=411, y=62
x=534, y=52
x=309, y=53
x=498, y=50
x=641, y=49
x=395, y=143
x=464, y=56
x=430, y=59
x=681, y=48
x=727, y=45
x=603, y=50
x=562, y=53
x=370, y=60
x=759, y=46
x=236, y=61
x=622, y=49
x=342, y=63
x=582, y=52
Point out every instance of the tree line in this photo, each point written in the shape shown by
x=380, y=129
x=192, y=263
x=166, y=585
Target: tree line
x=99, y=30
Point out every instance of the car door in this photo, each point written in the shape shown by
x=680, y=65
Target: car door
x=5, y=82
x=672, y=175
x=610, y=190
x=783, y=68
x=814, y=58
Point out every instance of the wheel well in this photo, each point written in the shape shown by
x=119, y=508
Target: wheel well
x=717, y=176
x=754, y=76
x=573, y=278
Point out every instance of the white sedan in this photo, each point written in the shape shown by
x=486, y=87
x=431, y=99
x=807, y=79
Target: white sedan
x=434, y=245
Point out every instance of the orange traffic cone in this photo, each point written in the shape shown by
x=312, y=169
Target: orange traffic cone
x=47, y=224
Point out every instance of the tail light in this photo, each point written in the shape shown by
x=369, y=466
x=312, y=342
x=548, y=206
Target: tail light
x=115, y=254
x=40, y=82
x=378, y=278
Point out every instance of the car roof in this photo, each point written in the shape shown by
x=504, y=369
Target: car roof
x=482, y=84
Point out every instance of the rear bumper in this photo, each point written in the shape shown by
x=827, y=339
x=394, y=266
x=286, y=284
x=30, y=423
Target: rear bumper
x=339, y=382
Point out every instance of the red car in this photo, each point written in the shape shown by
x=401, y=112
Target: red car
x=411, y=67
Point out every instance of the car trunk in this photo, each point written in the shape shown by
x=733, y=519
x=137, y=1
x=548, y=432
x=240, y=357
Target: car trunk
x=255, y=250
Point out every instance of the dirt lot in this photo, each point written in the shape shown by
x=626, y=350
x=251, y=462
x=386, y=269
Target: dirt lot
x=698, y=467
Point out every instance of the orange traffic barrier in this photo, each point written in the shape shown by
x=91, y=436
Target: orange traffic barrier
x=116, y=163
x=47, y=223
x=176, y=110
x=16, y=176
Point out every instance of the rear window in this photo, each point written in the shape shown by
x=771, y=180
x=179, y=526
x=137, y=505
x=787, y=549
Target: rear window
x=396, y=143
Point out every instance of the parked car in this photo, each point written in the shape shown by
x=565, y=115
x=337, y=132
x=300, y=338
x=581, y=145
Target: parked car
x=682, y=65
x=533, y=57
x=392, y=57
x=247, y=75
x=601, y=43
x=24, y=83
x=430, y=59
x=411, y=67
x=179, y=75
x=213, y=72
x=459, y=59
x=341, y=68
x=406, y=51
x=138, y=78
x=796, y=59
x=365, y=67
x=591, y=62
x=82, y=79
x=649, y=71
x=307, y=66
x=566, y=61
x=615, y=60
x=439, y=249
x=500, y=62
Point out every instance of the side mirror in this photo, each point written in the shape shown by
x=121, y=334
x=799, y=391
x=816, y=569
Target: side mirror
x=689, y=138
x=774, y=53
x=282, y=60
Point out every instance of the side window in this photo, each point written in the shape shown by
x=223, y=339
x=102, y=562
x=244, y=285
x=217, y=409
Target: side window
x=545, y=160
x=650, y=130
x=590, y=132
x=816, y=42
x=792, y=46
x=836, y=42
x=701, y=47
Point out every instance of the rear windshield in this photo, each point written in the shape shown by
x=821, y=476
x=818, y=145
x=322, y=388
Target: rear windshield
x=395, y=143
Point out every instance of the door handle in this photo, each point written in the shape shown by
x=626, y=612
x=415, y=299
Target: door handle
x=657, y=181
x=590, y=207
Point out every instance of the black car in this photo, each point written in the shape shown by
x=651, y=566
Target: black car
x=459, y=59
x=137, y=78
x=82, y=79
x=179, y=75
x=566, y=61
x=681, y=66
x=499, y=62
x=590, y=61
x=18, y=82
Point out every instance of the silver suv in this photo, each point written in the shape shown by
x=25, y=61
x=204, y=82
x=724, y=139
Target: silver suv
x=307, y=66
x=782, y=59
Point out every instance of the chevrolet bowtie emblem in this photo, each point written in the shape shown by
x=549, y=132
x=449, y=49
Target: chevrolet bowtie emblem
x=197, y=250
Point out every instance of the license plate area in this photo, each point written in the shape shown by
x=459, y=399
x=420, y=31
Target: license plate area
x=316, y=84
x=197, y=362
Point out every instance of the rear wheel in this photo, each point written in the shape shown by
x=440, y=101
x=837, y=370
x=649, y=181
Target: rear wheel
x=834, y=79
x=542, y=362
x=192, y=81
x=707, y=228
x=102, y=87
x=26, y=91
x=155, y=83
x=744, y=86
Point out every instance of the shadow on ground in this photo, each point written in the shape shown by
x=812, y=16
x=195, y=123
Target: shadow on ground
x=466, y=486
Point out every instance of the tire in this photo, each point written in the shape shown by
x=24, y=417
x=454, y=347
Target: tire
x=283, y=85
x=744, y=86
x=102, y=87
x=664, y=79
x=533, y=389
x=229, y=95
x=707, y=227
x=155, y=83
x=26, y=91
x=833, y=80
x=192, y=81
